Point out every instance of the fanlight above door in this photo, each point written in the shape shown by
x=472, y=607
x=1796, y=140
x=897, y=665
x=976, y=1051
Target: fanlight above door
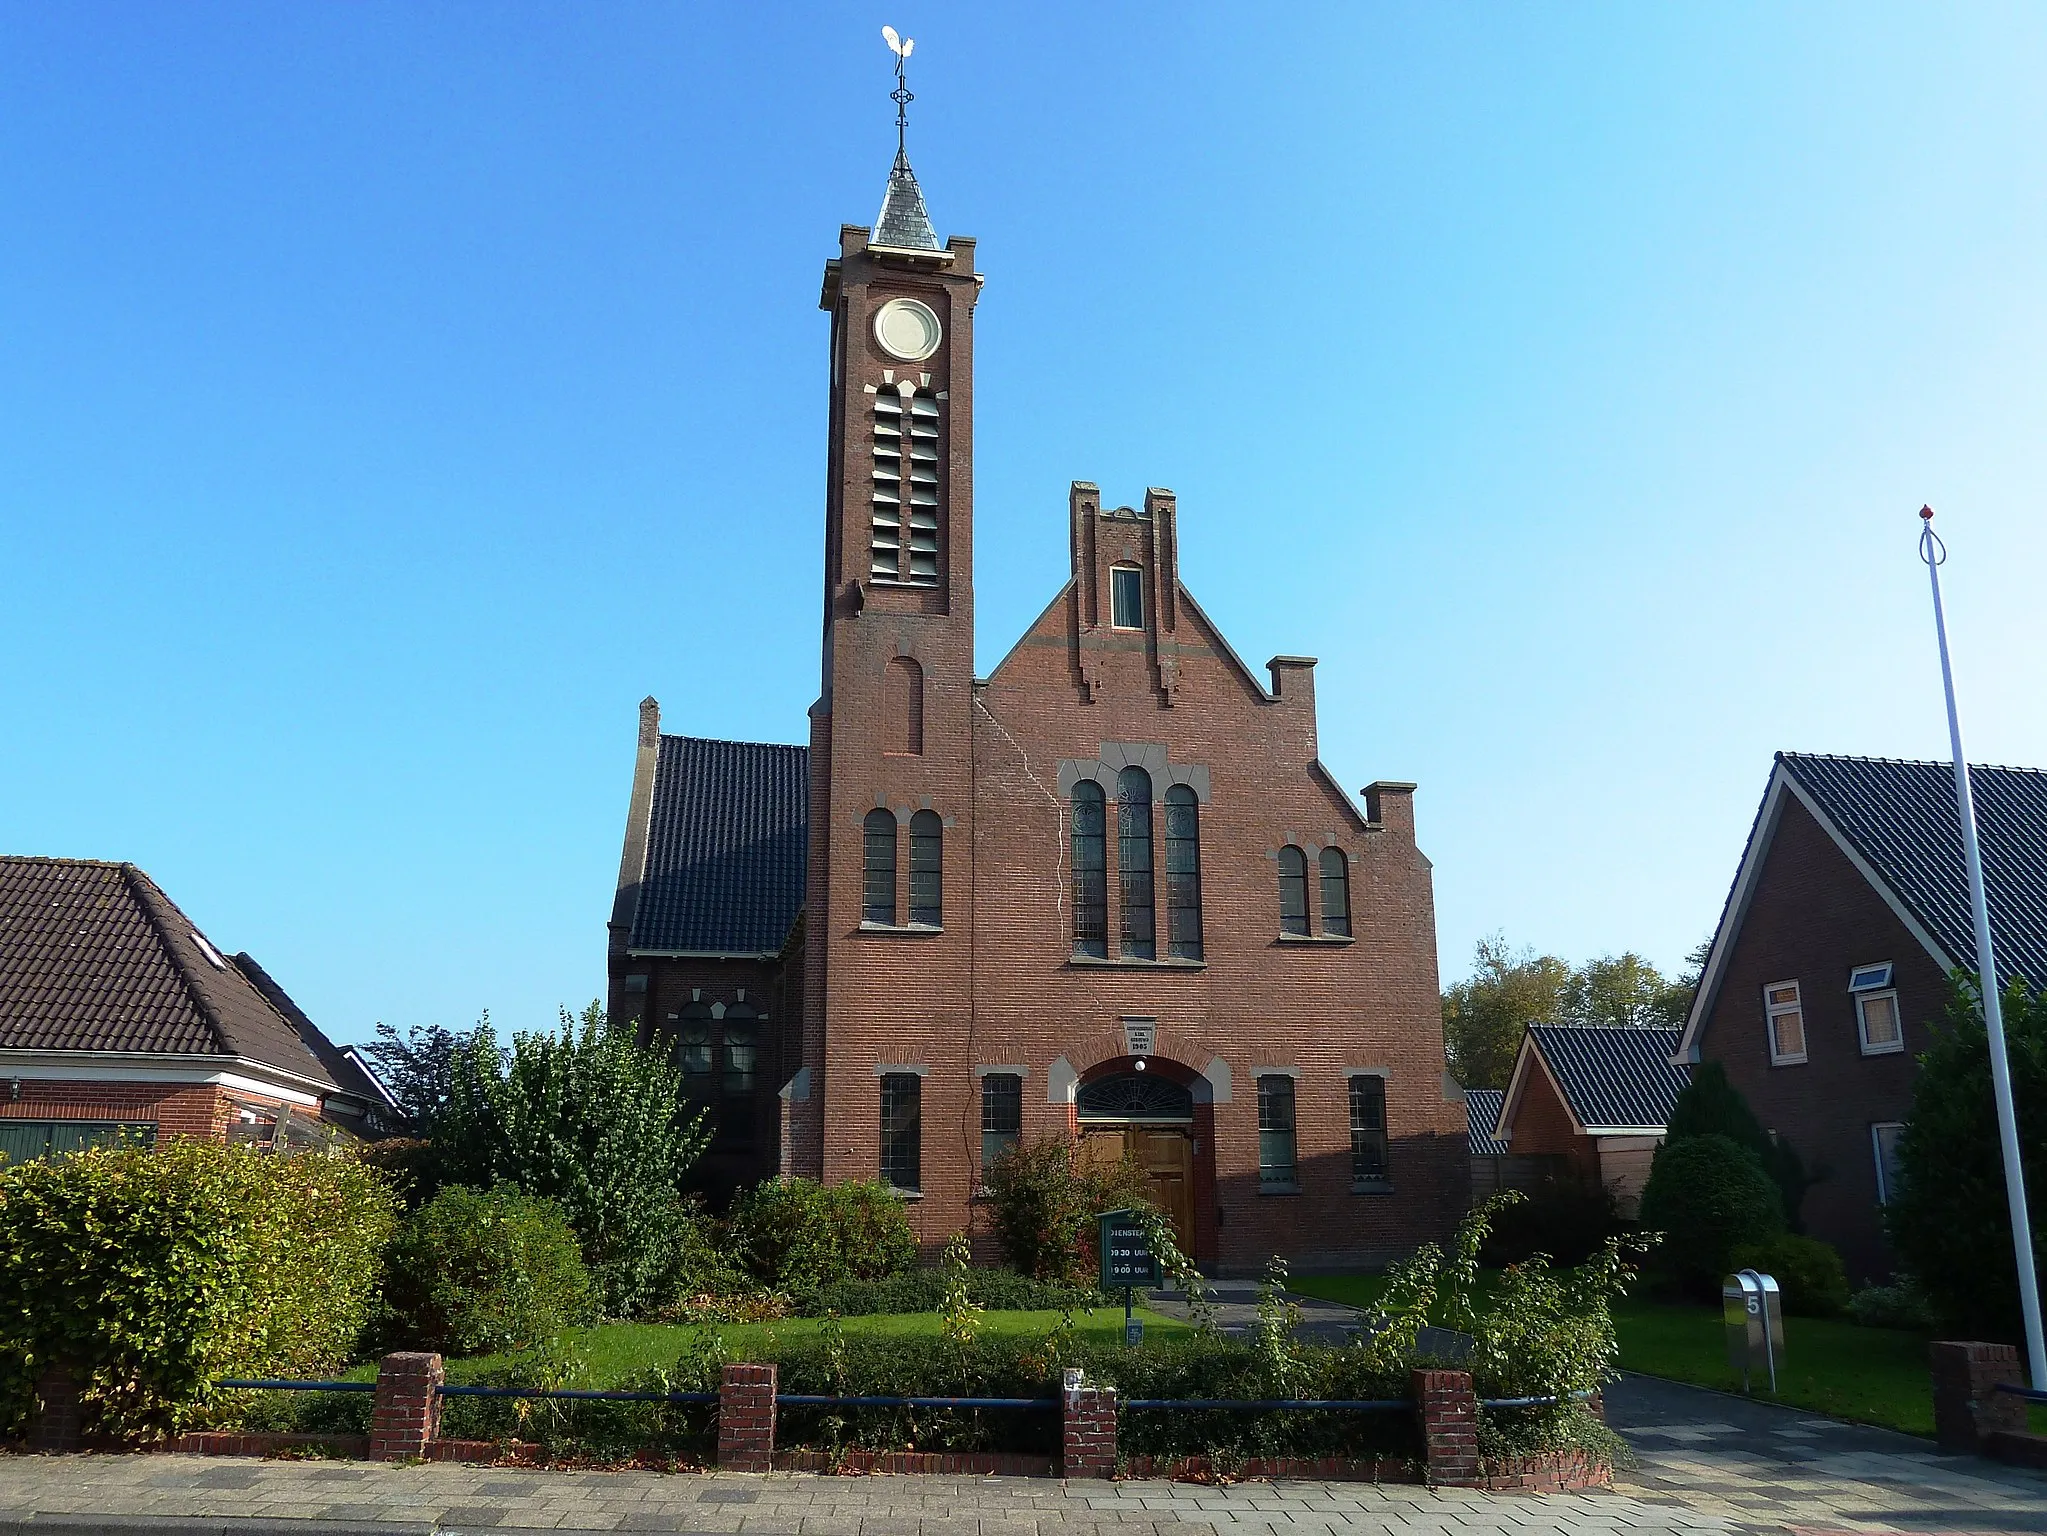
x=1135, y=1096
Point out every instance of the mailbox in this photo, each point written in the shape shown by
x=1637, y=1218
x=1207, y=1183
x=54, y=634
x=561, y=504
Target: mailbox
x=1753, y=1311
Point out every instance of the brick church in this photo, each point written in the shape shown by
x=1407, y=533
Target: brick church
x=1109, y=890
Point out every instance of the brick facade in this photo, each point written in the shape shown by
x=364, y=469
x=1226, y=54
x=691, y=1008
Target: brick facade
x=1810, y=918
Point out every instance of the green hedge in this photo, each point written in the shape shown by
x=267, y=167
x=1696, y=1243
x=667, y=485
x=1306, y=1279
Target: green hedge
x=799, y=1234
x=1708, y=1195
x=477, y=1272
x=1808, y=1272
x=923, y=1290
x=157, y=1272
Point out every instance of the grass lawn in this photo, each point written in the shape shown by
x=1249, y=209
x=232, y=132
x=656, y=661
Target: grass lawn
x=617, y=1351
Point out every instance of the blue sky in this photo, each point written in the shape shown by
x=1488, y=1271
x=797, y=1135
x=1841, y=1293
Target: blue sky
x=392, y=395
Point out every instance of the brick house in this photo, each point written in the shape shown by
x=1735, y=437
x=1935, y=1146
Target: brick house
x=1588, y=1104
x=1830, y=964
x=119, y=1017
x=1109, y=889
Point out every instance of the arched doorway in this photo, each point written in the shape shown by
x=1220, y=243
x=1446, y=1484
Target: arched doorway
x=1148, y=1118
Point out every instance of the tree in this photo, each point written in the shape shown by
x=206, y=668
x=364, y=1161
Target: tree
x=1485, y=1014
x=1707, y=1195
x=1712, y=1106
x=585, y=1117
x=418, y=1067
x=1949, y=1218
x=1625, y=991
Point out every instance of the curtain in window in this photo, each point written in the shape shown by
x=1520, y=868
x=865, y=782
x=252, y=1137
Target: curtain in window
x=1133, y=863
x=1277, y=1165
x=1183, y=874
x=880, y=829
x=1293, y=890
x=901, y=1130
x=1001, y=1116
x=1090, y=872
x=927, y=874
x=1335, y=892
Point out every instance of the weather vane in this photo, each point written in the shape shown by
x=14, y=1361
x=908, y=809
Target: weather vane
x=900, y=47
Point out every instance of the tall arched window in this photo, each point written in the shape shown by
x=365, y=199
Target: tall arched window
x=1183, y=874
x=693, y=1048
x=1335, y=892
x=927, y=870
x=1090, y=872
x=1293, y=890
x=1133, y=863
x=742, y=1049
x=880, y=830
x=903, y=706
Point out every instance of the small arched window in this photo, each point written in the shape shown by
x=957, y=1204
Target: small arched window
x=1293, y=890
x=903, y=706
x=1183, y=874
x=927, y=870
x=880, y=867
x=1335, y=892
x=1133, y=863
x=1090, y=872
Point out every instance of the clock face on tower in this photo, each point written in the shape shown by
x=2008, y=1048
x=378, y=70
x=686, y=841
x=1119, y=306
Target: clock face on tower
x=907, y=330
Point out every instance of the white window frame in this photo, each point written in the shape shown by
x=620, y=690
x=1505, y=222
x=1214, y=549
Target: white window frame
x=1881, y=1048
x=1876, y=1152
x=1772, y=1012
x=1115, y=620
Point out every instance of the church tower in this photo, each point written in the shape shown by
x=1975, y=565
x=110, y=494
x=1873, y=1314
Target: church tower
x=887, y=994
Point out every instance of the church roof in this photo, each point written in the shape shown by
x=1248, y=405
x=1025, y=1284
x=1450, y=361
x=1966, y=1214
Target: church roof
x=903, y=224
x=727, y=845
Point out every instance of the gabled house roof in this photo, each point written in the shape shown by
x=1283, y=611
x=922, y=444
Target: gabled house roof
x=94, y=957
x=1897, y=824
x=1614, y=1082
x=1482, y=1112
x=726, y=843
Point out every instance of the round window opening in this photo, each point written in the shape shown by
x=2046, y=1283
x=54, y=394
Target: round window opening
x=907, y=330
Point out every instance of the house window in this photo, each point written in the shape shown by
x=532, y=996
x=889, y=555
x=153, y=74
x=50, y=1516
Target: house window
x=1293, y=890
x=1784, y=1018
x=693, y=1048
x=1883, y=1144
x=1277, y=1164
x=902, y=1135
x=1090, y=872
x=1183, y=874
x=1133, y=863
x=880, y=837
x=1876, y=1010
x=927, y=873
x=1368, y=1132
x=1335, y=892
x=1001, y=1116
x=1126, y=597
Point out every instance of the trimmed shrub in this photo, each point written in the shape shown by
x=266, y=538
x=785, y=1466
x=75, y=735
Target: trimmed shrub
x=1901, y=1305
x=155, y=1273
x=1806, y=1270
x=476, y=1272
x=923, y=1290
x=1706, y=1195
x=798, y=1234
x=1564, y=1219
x=1710, y=1105
x=1044, y=1201
x=1949, y=1219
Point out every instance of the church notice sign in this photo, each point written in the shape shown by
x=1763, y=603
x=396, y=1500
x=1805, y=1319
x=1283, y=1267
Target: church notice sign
x=1127, y=1259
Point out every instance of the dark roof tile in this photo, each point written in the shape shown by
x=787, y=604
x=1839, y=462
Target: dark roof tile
x=1613, y=1077
x=1482, y=1111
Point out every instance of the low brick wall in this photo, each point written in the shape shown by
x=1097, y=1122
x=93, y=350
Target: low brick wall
x=225, y=1443
x=1326, y=1469
x=944, y=1463
x=1566, y=1472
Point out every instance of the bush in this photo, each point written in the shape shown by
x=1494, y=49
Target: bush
x=476, y=1272
x=408, y=1164
x=1710, y=1105
x=156, y=1273
x=799, y=1234
x=1564, y=1219
x=1706, y=1195
x=1807, y=1271
x=923, y=1290
x=1949, y=1219
x=1044, y=1202
x=586, y=1118
x=1901, y=1304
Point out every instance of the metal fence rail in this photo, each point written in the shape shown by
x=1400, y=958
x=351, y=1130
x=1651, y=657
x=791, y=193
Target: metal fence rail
x=1276, y=1404
x=809, y=1400
x=578, y=1394
x=300, y=1386
x=2030, y=1394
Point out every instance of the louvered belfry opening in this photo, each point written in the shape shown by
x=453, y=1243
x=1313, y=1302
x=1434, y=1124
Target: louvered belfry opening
x=907, y=444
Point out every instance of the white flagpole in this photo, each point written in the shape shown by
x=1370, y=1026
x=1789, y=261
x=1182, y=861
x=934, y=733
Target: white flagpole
x=1933, y=552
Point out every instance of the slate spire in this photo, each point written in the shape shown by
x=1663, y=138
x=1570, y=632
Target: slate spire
x=902, y=222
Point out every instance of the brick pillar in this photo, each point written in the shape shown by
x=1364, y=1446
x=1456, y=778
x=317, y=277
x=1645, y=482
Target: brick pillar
x=746, y=1418
x=1087, y=1424
x=57, y=1425
x=1967, y=1407
x=406, y=1413
x=1448, y=1410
